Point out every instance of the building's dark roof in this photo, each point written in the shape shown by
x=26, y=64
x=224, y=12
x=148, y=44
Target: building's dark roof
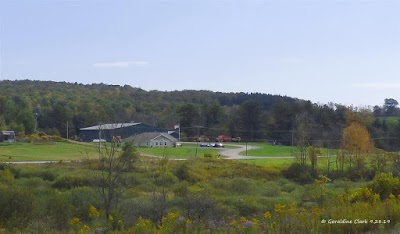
x=149, y=136
x=109, y=126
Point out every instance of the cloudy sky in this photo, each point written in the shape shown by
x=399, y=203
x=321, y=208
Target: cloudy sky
x=342, y=51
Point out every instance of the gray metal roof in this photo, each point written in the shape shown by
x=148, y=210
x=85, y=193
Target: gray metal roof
x=110, y=126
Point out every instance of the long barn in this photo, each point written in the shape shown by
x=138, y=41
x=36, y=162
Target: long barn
x=122, y=130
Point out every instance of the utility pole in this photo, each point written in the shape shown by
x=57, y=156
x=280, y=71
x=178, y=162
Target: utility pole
x=197, y=140
x=178, y=126
x=179, y=132
x=36, y=114
x=99, y=139
x=197, y=145
x=292, y=137
x=67, y=131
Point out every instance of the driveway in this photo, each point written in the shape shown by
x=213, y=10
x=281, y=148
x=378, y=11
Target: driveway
x=235, y=153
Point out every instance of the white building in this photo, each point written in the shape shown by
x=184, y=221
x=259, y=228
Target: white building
x=153, y=139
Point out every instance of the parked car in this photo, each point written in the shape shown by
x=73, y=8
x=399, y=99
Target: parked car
x=98, y=140
x=215, y=145
x=219, y=145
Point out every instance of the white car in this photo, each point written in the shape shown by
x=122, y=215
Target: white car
x=98, y=140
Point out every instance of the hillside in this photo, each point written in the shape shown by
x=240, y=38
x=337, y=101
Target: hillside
x=252, y=116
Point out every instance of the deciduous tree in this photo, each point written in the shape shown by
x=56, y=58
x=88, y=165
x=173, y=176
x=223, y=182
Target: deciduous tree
x=357, y=142
x=390, y=106
x=114, y=165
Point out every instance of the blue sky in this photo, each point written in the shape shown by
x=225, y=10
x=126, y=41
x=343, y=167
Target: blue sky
x=345, y=51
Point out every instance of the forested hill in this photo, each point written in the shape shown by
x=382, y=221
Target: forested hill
x=72, y=91
x=248, y=115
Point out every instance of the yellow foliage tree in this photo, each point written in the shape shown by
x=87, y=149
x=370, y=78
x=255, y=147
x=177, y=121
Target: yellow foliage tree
x=357, y=142
x=361, y=116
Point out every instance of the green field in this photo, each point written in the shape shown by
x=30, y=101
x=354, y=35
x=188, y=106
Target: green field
x=39, y=152
x=270, y=150
x=69, y=151
x=279, y=150
x=186, y=151
x=322, y=163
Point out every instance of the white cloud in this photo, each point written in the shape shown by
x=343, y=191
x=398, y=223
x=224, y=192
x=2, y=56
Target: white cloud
x=379, y=85
x=121, y=64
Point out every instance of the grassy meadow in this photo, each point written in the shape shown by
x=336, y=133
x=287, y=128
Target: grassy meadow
x=186, y=151
x=197, y=195
x=266, y=149
x=53, y=151
x=66, y=151
x=57, y=151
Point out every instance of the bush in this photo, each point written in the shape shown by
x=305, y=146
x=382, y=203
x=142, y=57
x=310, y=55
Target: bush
x=6, y=176
x=132, y=209
x=221, y=183
x=183, y=173
x=241, y=186
x=42, y=138
x=32, y=183
x=81, y=199
x=200, y=206
x=181, y=189
x=363, y=173
x=12, y=169
x=288, y=188
x=59, y=210
x=385, y=184
x=68, y=182
x=16, y=205
x=271, y=189
x=247, y=206
x=302, y=174
x=48, y=175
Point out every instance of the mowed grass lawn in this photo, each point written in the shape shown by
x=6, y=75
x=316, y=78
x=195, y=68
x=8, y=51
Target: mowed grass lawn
x=179, y=152
x=13, y=152
x=270, y=150
x=41, y=152
x=70, y=151
x=279, y=150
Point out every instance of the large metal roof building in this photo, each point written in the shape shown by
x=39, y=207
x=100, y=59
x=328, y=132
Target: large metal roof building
x=122, y=130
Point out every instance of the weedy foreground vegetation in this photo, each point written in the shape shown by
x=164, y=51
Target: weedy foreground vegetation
x=124, y=193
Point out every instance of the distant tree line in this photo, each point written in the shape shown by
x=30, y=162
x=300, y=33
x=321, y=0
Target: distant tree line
x=27, y=106
x=385, y=126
